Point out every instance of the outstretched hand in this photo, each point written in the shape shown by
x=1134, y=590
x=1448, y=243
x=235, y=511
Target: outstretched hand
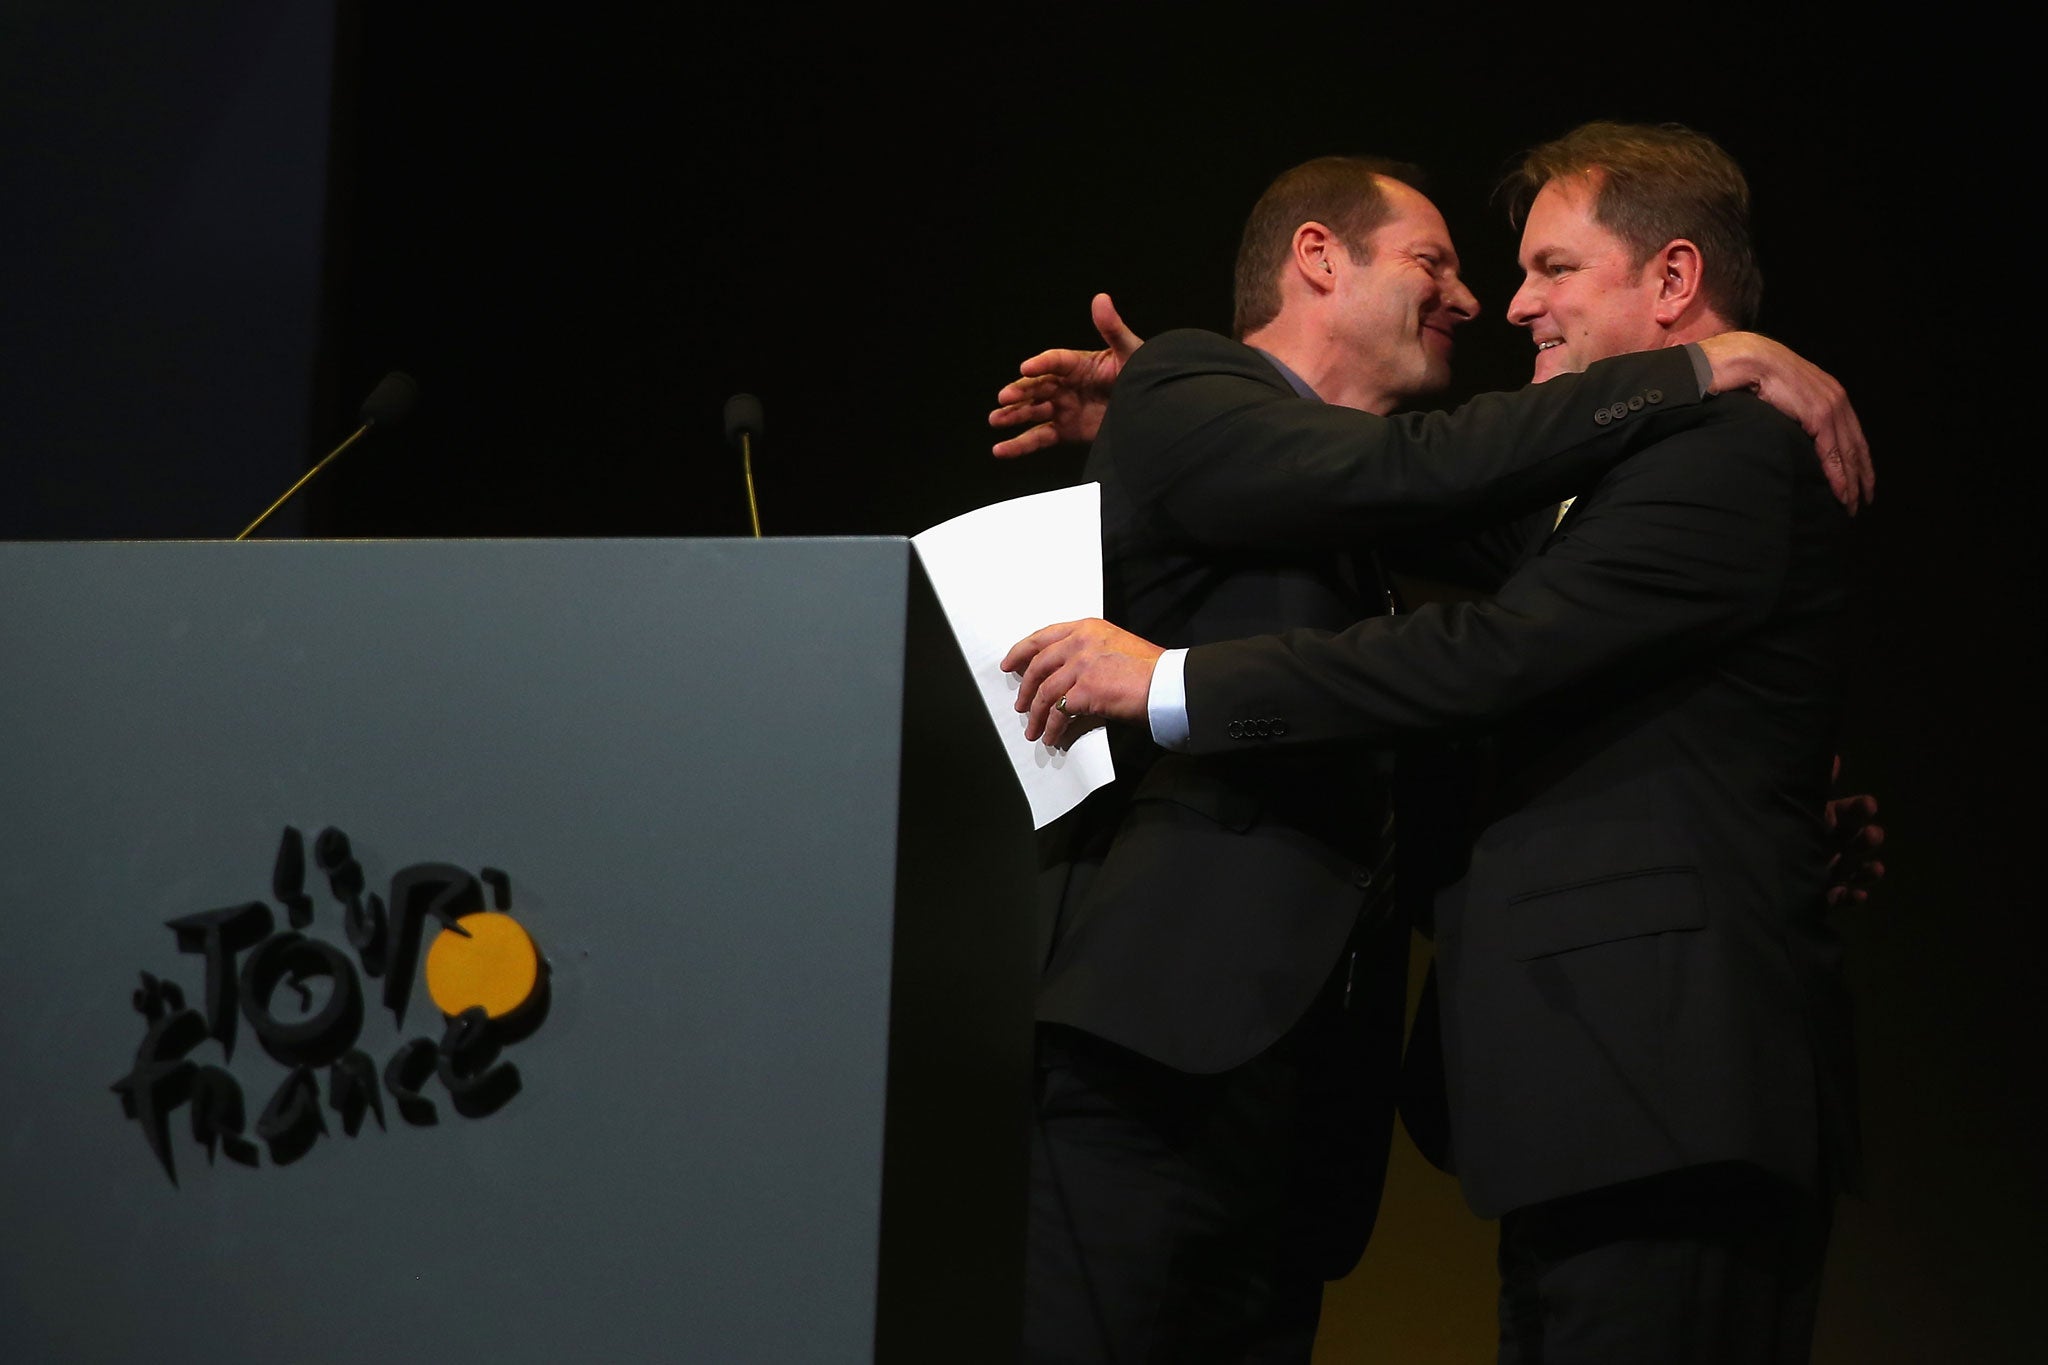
x=1854, y=841
x=1080, y=672
x=1808, y=395
x=1064, y=392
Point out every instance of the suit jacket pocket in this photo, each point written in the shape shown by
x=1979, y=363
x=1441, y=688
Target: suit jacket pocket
x=1630, y=904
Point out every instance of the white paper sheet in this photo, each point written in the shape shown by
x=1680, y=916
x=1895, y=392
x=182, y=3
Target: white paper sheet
x=1001, y=572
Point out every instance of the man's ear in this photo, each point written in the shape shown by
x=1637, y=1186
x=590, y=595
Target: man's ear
x=1317, y=256
x=1678, y=285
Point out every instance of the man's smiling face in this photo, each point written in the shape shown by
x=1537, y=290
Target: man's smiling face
x=1582, y=298
x=1403, y=298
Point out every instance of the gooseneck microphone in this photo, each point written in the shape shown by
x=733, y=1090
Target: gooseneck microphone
x=742, y=428
x=391, y=400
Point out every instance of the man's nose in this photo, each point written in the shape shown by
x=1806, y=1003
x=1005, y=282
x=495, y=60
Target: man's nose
x=1524, y=307
x=1461, y=300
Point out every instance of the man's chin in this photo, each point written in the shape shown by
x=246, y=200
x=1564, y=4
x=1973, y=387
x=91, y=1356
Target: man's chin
x=1420, y=384
x=1550, y=364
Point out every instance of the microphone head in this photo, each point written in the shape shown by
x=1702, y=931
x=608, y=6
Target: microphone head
x=392, y=399
x=742, y=416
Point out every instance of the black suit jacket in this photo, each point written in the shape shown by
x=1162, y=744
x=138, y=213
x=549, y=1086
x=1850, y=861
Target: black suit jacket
x=1634, y=969
x=1194, y=907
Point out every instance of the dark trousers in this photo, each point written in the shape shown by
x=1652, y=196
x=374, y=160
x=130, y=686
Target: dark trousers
x=1182, y=1219
x=1716, y=1265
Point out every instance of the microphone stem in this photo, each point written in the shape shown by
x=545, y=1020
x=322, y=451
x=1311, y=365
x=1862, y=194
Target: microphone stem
x=747, y=463
x=302, y=480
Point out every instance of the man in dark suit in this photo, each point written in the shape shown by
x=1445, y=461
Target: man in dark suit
x=1221, y=1013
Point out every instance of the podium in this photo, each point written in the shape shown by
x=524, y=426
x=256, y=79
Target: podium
x=768, y=1087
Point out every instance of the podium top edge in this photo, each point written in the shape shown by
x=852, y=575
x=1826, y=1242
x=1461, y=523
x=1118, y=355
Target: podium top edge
x=485, y=540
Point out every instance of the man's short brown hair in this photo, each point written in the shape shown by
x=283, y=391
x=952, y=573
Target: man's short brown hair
x=1657, y=182
x=1341, y=192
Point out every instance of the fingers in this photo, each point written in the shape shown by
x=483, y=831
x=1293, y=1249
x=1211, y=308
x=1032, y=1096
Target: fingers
x=1840, y=482
x=1063, y=728
x=1047, y=721
x=1056, y=676
x=1855, y=888
x=1845, y=453
x=1056, y=684
x=1852, y=822
x=1808, y=394
x=1856, y=455
x=1820, y=405
x=1038, y=399
x=1855, y=866
x=1023, y=653
x=1039, y=658
x=1022, y=403
x=1059, y=361
x=1057, y=726
x=1022, y=392
x=1026, y=442
x=1855, y=835
x=1051, y=664
x=1016, y=414
x=1849, y=444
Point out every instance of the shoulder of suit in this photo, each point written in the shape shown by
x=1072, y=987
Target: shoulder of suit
x=1750, y=419
x=1191, y=347
x=1743, y=438
x=1195, y=346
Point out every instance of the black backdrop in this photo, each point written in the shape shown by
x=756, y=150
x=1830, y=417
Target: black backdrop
x=582, y=229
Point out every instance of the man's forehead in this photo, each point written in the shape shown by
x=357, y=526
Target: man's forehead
x=1413, y=222
x=1561, y=218
x=1404, y=198
x=1568, y=194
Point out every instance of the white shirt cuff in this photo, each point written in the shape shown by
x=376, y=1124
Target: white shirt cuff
x=1167, y=701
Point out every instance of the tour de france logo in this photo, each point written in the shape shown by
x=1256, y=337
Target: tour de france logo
x=303, y=999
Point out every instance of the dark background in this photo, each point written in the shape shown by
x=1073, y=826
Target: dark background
x=582, y=229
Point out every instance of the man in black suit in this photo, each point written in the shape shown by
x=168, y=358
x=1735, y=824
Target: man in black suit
x=1221, y=1013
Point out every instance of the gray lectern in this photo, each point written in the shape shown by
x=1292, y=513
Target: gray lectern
x=765, y=1096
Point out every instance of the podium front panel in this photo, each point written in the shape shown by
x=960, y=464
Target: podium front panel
x=675, y=765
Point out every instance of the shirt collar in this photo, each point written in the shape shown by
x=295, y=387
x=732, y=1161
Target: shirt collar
x=1294, y=381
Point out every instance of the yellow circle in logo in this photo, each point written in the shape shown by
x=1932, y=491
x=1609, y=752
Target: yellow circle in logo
x=497, y=966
